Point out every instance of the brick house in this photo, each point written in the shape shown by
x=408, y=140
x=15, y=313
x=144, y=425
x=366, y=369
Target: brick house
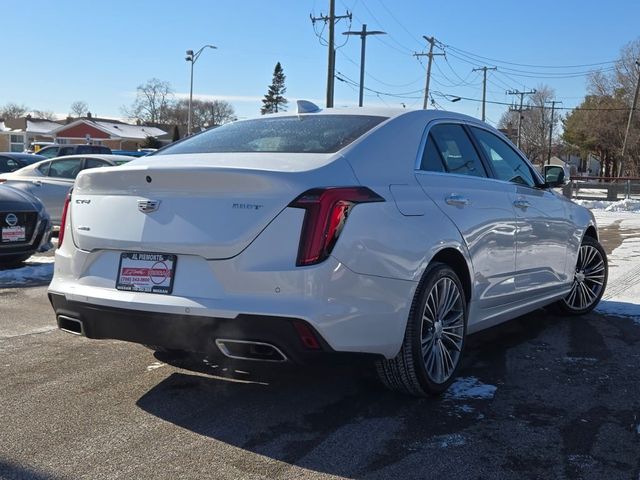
x=114, y=134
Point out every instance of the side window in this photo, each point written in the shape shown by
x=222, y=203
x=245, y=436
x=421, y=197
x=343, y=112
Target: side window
x=84, y=149
x=457, y=151
x=44, y=168
x=66, y=151
x=508, y=165
x=49, y=152
x=65, y=168
x=431, y=159
x=8, y=165
x=95, y=163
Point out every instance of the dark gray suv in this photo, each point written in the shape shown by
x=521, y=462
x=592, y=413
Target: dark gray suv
x=62, y=150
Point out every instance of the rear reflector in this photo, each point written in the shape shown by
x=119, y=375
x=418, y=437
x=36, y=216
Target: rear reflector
x=327, y=210
x=63, y=220
x=307, y=337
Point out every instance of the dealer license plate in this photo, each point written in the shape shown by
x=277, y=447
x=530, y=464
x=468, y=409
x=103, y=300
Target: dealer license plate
x=146, y=272
x=13, y=234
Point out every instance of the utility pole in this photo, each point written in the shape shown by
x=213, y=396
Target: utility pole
x=193, y=58
x=331, y=68
x=553, y=107
x=519, y=110
x=484, y=87
x=430, y=54
x=363, y=35
x=626, y=133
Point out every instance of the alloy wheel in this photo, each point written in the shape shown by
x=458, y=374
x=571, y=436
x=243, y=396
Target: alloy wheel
x=442, y=330
x=588, y=280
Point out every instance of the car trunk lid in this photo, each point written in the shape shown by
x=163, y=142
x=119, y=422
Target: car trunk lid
x=206, y=208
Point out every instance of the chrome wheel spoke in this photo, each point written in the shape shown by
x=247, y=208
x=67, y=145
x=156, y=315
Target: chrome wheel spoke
x=589, y=279
x=442, y=334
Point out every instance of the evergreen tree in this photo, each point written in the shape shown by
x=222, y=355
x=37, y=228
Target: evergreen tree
x=274, y=100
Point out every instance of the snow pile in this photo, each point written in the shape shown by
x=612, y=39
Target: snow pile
x=470, y=387
x=36, y=270
x=626, y=205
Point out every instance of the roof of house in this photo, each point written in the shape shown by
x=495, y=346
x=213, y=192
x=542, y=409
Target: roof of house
x=115, y=128
x=29, y=125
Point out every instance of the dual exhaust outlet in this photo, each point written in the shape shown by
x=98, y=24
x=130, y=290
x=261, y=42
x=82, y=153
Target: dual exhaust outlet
x=235, y=349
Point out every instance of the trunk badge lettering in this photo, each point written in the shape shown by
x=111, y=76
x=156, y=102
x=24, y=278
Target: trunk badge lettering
x=247, y=206
x=148, y=206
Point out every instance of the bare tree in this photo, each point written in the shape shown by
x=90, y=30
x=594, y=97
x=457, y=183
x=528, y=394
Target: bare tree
x=79, y=109
x=12, y=110
x=152, y=104
x=44, y=114
x=205, y=113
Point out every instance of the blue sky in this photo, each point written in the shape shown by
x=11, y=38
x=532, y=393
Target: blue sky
x=57, y=52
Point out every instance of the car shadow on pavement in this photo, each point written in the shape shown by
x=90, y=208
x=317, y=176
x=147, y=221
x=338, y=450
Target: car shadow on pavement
x=11, y=471
x=337, y=420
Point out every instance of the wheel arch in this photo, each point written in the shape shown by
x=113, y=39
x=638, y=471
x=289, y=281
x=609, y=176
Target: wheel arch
x=592, y=232
x=457, y=261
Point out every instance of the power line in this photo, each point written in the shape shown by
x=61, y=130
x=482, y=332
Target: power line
x=608, y=62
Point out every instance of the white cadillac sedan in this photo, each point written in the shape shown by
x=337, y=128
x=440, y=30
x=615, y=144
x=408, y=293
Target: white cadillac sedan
x=391, y=234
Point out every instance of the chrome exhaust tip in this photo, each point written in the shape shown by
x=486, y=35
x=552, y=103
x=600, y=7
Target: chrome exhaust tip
x=70, y=325
x=248, y=350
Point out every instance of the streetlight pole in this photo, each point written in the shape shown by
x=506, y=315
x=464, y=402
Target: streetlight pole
x=193, y=58
x=363, y=35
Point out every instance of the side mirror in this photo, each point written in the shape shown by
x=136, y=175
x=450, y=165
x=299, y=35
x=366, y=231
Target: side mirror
x=554, y=176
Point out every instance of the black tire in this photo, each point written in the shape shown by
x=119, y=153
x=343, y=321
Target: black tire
x=589, y=282
x=409, y=371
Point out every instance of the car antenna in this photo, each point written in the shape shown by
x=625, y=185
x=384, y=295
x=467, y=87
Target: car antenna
x=305, y=106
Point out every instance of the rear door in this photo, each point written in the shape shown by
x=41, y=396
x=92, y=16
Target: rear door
x=543, y=230
x=452, y=174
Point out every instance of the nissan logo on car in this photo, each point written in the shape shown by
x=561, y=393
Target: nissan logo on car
x=11, y=219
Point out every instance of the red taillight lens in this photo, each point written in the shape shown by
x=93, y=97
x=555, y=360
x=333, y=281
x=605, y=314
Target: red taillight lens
x=63, y=220
x=327, y=210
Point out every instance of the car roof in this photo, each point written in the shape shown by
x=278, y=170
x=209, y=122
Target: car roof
x=29, y=157
x=100, y=156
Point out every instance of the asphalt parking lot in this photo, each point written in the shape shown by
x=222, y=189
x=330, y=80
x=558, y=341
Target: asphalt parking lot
x=540, y=397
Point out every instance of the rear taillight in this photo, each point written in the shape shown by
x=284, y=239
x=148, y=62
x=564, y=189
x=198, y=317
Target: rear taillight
x=327, y=210
x=3, y=180
x=63, y=220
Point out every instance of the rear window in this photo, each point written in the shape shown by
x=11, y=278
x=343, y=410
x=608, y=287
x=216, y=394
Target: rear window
x=296, y=134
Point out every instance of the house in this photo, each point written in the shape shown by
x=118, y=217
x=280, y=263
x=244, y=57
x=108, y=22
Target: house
x=16, y=134
x=114, y=134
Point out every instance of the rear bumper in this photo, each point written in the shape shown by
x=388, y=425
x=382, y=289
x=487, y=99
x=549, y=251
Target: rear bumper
x=195, y=333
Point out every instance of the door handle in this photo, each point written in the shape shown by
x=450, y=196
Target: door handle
x=37, y=183
x=523, y=204
x=457, y=200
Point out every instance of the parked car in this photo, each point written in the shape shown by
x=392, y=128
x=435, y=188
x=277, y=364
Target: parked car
x=50, y=180
x=10, y=161
x=53, y=151
x=390, y=234
x=25, y=227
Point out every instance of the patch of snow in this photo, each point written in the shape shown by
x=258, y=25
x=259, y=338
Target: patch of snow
x=155, y=366
x=580, y=359
x=470, y=387
x=450, y=440
x=626, y=205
